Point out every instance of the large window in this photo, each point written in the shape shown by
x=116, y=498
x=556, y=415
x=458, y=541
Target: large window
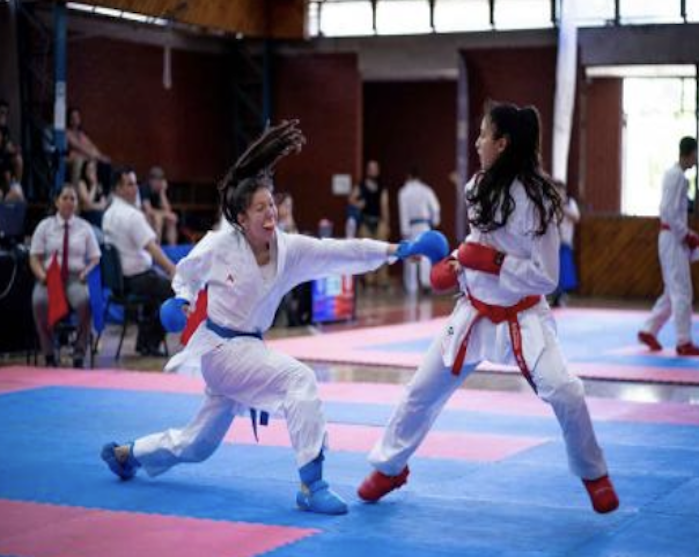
x=349, y=18
x=461, y=15
x=595, y=12
x=523, y=14
x=658, y=111
x=650, y=11
x=692, y=10
x=403, y=17
x=407, y=17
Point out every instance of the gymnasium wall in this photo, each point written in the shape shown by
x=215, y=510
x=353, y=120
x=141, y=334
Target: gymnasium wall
x=325, y=93
x=413, y=124
x=118, y=86
x=618, y=256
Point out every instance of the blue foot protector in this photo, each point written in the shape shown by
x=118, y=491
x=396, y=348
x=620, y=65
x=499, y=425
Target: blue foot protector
x=125, y=470
x=319, y=498
x=315, y=495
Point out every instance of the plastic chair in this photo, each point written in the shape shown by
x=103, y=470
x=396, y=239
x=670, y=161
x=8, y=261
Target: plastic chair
x=113, y=279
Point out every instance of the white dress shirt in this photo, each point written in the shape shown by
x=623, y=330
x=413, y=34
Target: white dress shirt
x=126, y=228
x=82, y=243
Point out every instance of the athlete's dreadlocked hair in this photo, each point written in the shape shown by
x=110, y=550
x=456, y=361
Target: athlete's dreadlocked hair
x=491, y=199
x=254, y=168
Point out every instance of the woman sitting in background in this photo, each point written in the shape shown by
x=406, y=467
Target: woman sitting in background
x=93, y=200
x=72, y=240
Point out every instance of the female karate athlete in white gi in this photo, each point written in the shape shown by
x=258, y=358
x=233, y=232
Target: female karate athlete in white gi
x=248, y=268
x=505, y=267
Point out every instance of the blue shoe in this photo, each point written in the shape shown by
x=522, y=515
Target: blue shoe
x=125, y=470
x=319, y=498
x=315, y=495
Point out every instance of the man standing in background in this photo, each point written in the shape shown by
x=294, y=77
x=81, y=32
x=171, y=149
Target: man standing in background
x=419, y=210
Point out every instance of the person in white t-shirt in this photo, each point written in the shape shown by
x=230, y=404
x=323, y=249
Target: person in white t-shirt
x=51, y=237
x=127, y=229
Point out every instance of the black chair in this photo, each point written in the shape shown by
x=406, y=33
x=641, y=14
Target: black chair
x=113, y=278
x=65, y=333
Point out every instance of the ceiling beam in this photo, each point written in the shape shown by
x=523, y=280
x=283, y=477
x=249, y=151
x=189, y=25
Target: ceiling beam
x=276, y=19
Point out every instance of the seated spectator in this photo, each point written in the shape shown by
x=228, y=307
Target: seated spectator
x=93, y=200
x=11, y=162
x=81, y=148
x=72, y=240
x=156, y=205
x=285, y=212
x=126, y=228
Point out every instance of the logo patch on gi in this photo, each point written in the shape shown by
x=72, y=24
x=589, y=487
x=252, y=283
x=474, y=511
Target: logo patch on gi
x=450, y=330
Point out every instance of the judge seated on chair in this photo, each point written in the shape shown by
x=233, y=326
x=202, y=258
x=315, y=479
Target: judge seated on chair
x=126, y=228
x=63, y=252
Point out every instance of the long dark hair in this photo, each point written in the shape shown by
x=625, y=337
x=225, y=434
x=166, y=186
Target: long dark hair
x=254, y=168
x=521, y=160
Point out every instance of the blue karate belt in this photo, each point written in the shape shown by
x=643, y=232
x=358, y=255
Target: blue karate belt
x=225, y=332
x=420, y=221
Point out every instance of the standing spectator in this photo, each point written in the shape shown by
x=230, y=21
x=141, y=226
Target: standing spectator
x=675, y=245
x=126, y=227
x=11, y=162
x=93, y=200
x=73, y=241
x=82, y=148
x=156, y=205
x=568, y=276
x=419, y=210
x=370, y=197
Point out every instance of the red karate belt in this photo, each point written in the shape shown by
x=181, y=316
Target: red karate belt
x=497, y=315
x=664, y=226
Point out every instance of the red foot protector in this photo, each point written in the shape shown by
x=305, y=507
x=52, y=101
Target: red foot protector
x=376, y=484
x=650, y=341
x=688, y=349
x=602, y=494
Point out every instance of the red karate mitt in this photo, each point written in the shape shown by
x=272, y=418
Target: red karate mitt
x=443, y=275
x=692, y=240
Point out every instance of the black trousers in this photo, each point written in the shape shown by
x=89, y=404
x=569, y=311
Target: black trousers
x=156, y=288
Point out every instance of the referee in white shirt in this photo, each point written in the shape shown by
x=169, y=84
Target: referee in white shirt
x=73, y=241
x=126, y=228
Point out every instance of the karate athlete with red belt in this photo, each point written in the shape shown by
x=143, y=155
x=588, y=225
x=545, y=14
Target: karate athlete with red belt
x=678, y=246
x=506, y=266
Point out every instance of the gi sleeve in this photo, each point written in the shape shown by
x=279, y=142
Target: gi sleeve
x=310, y=258
x=537, y=273
x=193, y=271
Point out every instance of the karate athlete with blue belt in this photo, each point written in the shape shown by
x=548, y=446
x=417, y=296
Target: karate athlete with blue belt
x=247, y=269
